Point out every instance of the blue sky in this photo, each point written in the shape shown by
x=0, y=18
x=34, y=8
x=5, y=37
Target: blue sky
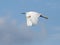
x=13, y=30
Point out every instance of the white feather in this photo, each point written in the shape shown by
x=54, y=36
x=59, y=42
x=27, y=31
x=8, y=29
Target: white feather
x=32, y=18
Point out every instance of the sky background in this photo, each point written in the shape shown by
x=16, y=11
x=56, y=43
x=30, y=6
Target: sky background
x=13, y=29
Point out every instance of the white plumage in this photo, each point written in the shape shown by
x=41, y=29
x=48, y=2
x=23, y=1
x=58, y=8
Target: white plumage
x=32, y=18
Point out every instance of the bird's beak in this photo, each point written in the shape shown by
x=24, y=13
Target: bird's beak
x=43, y=17
x=46, y=17
x=23, y=13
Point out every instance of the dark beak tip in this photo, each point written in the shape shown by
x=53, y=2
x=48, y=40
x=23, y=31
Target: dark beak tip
x=46, y=17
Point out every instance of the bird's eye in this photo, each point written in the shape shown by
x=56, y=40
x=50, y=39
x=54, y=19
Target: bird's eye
x=29, y=16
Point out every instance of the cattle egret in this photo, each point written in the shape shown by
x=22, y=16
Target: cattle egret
x=32, y=17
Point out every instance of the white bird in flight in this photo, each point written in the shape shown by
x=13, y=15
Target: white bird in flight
x=32, y=17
